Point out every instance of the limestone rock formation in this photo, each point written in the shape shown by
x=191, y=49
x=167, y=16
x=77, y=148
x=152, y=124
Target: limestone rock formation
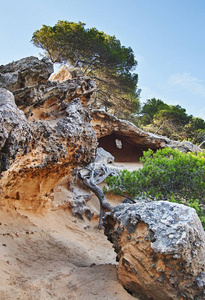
x=103, y=156
x=46, y=133
x=15, y=132
x=35, y=94
x=161, y=250
x=62, y=74
x=48, y=155
x=44, y=136
x=109, y=130
x=25, y=72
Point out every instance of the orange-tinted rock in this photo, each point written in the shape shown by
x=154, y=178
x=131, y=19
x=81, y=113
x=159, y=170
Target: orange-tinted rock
x=62, y=74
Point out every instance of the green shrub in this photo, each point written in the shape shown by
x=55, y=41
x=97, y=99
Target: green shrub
x=168, y=175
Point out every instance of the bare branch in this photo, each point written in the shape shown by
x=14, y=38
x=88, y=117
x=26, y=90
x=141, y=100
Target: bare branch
x=201, y=144
x=91, y=183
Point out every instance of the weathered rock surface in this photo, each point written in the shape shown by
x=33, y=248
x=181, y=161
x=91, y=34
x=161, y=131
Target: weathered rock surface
x=62, y=74
x=41, y=155
x=161, y=249
x=103, y=156
x=25, y=72
x=39, y=97
x=51, y=94
x=44, y=135
x=15, y=132
x=105, y=124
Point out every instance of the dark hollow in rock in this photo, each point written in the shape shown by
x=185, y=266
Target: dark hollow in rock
x=128, y=152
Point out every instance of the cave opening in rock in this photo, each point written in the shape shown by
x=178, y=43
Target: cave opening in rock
x=122, y=148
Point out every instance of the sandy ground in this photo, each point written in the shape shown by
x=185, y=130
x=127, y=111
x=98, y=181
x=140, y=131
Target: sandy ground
x=129, y=165
x=56, y=256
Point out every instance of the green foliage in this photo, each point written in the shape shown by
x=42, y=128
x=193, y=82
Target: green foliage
x=166, y=174
x=170, y=120
x=195, y=130
x=151, y=108
x=200, y=211
x=99, y=55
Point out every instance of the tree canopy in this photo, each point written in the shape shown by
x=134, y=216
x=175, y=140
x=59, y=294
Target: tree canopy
x=170, y=120
x=99, y=55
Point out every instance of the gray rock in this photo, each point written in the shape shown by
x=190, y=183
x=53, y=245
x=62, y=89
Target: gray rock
x=15, y=131
x=75, y=127
x=161, y=249
x=25, y=72
x=103, y=156
x=29, y=81
x=48, y=150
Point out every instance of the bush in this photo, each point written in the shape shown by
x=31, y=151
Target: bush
x=166, y=174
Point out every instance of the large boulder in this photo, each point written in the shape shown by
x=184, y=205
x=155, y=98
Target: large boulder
x=161, y=250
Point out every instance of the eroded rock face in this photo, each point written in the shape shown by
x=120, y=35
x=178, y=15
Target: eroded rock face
x=25, y=72
x=40, y=95
x=161, y=250
x=62, y=74
x=48, y=131
x=133, y=138
x=52, y=153
x=15, y=132
x=44, y=140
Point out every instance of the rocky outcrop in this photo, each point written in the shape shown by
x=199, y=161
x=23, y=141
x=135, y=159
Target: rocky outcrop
x=105, y=124
x=39, y=97
x=41, y=155
x=46, y=131
x=15, y=131
x=61, y=75
x=44, y=140
x=24, y=73
x=160, y=248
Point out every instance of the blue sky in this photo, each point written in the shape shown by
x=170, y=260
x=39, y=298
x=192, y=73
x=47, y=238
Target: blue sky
x=167, y=37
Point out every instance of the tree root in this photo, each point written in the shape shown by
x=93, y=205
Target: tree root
x=96, y=176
